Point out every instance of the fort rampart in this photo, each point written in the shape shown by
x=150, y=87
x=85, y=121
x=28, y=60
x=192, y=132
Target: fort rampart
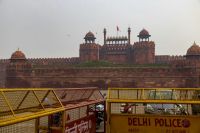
x=105, y=77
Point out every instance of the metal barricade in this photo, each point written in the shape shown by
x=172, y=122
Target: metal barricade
x=49, y=110
x=149, y=110
x=20, y=109
x=81, y=111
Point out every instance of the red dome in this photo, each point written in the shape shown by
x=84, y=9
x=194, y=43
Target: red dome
x=18, y=55
x=144, y=32
x=194, y=50
x=89, y=35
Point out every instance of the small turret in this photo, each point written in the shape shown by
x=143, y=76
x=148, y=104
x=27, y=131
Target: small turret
x=89, y=51
x=89, y=37
x=18, y=56
x=193, y=53
x=144, y=35
x=143, y=51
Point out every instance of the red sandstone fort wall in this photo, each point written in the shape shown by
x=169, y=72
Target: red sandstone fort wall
x=89, y=52
x=108, y=77
x=54, y=61
x=3, y=64
x=143, y=52
x=116, y=53
x=166, y=59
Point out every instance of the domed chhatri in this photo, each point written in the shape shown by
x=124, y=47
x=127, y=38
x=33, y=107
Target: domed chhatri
x=193, y=53
x=89, y=37
x=18, y=55
x=144, y=32
x=193, y=50
x=144, y=35
x=89, y=34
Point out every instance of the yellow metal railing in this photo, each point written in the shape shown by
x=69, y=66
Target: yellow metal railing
x=141, y=95
x=139, y=121
x=17, y=105
x=36, y=109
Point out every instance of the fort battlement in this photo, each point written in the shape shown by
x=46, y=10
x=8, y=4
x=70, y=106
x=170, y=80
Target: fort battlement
x=3, y=61
x=90, y=46
x=117, y=47
x=185, y=63
x=46, y=61
x=117, y=40
x=166, y=59
x=144, y=44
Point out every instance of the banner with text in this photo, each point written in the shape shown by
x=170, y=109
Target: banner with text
x=154, y=124
x=83, y=125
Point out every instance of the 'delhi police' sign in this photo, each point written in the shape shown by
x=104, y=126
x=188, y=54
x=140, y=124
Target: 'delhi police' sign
x=154, y=124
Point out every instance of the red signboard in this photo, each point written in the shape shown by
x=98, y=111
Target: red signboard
x=83, y=125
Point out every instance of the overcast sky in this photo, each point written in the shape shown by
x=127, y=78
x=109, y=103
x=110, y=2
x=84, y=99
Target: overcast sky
x=55, y=28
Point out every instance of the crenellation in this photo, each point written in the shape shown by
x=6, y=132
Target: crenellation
x=49, y=61
x=159, y=59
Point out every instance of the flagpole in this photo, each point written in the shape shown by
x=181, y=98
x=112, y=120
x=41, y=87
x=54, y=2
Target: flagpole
x=117, y=30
